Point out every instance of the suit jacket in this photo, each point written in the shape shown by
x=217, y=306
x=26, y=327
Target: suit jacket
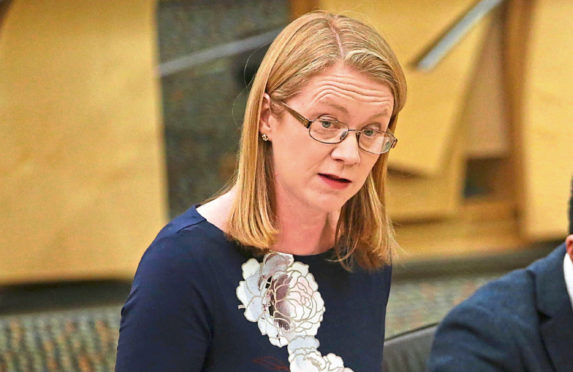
x=520, y=322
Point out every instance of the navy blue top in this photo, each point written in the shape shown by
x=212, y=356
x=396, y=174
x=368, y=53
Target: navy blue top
x=183, y=313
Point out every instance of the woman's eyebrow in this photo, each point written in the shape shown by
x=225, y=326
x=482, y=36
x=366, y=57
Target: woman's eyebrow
x=336, y=106
x=385, y=112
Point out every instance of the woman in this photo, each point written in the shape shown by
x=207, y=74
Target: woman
x=290, y=268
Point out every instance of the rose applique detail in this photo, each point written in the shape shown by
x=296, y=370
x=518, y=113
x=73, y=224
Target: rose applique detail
x=305, y=357
x=281, y=296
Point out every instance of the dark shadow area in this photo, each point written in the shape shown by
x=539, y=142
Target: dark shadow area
x=468, y=265
x=32, y=298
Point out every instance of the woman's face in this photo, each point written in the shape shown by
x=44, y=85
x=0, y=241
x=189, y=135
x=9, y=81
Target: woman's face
x=318, y=176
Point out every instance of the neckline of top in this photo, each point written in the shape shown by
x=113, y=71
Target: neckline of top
x=328, y=253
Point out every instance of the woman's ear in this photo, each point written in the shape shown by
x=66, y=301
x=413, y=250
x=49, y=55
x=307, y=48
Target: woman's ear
x=264, y=120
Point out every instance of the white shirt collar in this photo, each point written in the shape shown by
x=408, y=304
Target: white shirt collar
x=568, y=272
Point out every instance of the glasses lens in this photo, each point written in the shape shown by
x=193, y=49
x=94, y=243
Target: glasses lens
x=327, y=130
x=375, y=141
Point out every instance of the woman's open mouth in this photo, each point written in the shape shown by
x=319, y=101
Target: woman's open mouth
x=334, y=181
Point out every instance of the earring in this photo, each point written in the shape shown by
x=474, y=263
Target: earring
x=264, y=137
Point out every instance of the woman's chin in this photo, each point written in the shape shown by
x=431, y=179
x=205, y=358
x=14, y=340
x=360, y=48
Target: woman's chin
x=329, y=204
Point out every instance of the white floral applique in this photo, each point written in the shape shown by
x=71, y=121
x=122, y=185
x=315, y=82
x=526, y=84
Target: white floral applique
x=282, y=297
x=305, y=357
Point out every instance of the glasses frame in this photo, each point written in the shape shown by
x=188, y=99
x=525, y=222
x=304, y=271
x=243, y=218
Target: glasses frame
x=307, y=123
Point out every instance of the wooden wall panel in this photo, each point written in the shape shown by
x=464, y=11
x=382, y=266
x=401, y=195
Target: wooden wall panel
x=481, y=132
x=486, y=115
x=81, y=159
x=547, y=125
x=412, y=198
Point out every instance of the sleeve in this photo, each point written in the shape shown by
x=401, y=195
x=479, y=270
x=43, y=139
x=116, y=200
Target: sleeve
x=472, y=338
x=165, y=322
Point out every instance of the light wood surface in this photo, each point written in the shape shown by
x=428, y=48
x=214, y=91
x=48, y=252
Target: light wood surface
x=427, y=125
x=485, y=113
x=483, y=133
x=547, y=123
x=482, y=227
x=81, y=172
x=413, y=198
x=517, y=35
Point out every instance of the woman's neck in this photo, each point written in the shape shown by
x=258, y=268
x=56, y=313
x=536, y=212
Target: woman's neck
x=303, y=231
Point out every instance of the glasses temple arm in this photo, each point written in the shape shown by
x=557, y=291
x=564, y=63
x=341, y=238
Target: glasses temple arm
x=304, y=121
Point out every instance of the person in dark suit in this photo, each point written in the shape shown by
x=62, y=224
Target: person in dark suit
x=520, y=322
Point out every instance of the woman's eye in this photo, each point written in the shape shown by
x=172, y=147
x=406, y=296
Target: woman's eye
x=325, y=123
x=369, y=132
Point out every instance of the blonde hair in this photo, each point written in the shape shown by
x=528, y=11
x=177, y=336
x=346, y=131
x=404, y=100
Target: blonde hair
x=306, y=47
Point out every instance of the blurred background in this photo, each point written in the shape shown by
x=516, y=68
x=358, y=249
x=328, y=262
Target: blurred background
x=116, y=116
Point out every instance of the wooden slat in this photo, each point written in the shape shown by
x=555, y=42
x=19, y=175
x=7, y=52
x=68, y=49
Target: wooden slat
x=546, y=121
x=517, y=36
x=486, y=117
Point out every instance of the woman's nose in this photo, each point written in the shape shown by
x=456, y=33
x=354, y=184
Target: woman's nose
x=347, y=150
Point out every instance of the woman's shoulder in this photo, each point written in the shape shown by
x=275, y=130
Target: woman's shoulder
x=186, y=242
x=188, y=221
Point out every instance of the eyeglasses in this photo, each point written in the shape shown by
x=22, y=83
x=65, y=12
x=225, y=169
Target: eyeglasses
x=331, y=131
